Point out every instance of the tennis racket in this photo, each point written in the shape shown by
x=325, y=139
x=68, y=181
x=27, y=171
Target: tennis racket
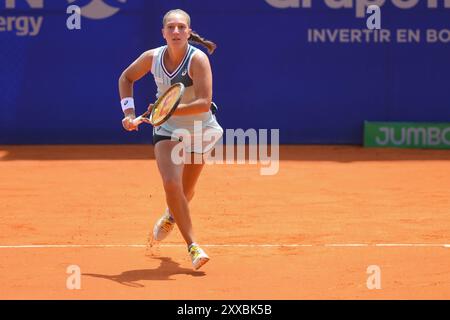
x=163, y=108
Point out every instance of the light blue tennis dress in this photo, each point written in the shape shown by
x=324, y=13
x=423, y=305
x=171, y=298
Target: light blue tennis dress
x=200, y=132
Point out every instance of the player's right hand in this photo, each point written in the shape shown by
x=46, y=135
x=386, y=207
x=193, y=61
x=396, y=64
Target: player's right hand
x=128, y=125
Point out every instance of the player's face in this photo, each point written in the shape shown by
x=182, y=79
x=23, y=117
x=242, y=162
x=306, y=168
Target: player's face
x=176, y=30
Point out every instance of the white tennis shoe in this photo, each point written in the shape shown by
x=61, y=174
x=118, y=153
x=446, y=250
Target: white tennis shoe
x=198, y=256
x=163, y=226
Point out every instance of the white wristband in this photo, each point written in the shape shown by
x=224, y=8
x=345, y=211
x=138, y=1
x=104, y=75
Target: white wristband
x=127, y=103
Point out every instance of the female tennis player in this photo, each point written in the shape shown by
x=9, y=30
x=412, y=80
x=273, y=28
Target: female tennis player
x=177, y=61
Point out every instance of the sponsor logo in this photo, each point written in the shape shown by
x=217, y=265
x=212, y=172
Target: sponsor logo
x=359, y=6
x=31, y=25
x=98, y=9
x=407, y=135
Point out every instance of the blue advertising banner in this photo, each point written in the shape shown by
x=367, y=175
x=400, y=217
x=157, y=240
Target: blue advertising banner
x=312, y=68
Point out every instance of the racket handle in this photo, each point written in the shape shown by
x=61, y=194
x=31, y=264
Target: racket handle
x=137, y=121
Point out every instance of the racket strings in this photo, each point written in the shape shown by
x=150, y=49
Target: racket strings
x=165, y=105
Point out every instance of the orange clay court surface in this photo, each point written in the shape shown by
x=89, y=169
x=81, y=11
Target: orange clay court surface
x=309, y=232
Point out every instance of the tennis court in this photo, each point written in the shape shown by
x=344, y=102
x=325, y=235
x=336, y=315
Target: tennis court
x=308, y=232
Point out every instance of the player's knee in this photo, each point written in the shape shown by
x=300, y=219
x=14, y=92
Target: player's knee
x=189, y=194
x=172, y=186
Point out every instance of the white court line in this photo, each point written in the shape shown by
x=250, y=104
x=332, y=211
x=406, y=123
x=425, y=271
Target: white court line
x=412, y=245
x=174, y=245
x=347, y=245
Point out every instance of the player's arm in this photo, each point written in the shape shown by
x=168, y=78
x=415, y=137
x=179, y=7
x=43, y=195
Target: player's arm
x=202, y=78
x=139, y=68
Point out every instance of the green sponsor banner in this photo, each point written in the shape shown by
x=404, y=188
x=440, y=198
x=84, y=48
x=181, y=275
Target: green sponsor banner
x=407, y=135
